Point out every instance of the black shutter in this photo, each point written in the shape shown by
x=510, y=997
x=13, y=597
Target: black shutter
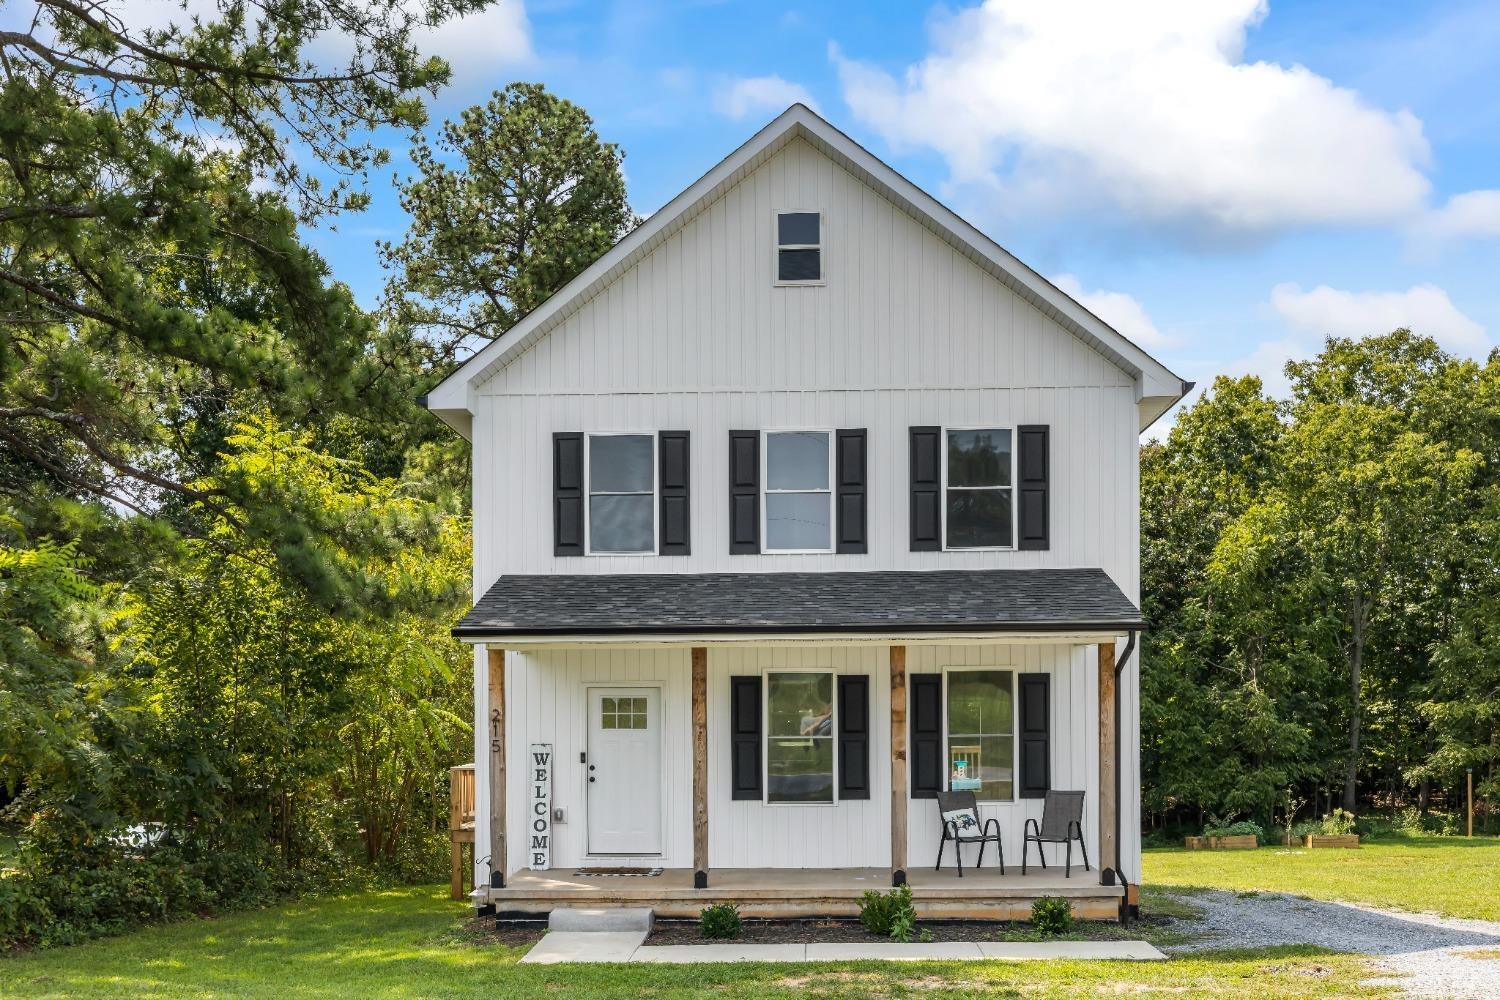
x=925, y=724
x=744, y=737
x=1033, y=464
x=854, y=737
x=926, y=489
x=676, y=533
x=567, y=494
x=1036, y=735
x=744, y=492
x=851, y=467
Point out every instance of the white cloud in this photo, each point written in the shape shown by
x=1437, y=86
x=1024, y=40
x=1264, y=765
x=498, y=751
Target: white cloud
x=494, y=40
x=1474, y=214
x=1424, y=309
x=1119, y=310
x=1149, y=106
x=760, y=95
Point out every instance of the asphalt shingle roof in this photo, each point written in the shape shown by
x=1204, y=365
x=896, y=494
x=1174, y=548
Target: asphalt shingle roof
x=923, y=601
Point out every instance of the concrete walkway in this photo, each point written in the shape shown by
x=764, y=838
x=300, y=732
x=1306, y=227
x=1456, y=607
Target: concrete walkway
x=593, y=946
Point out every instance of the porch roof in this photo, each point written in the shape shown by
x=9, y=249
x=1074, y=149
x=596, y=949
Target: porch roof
x=937, y=602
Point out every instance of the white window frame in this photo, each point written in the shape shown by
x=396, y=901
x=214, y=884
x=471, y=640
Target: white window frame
x=1014, y=516
x=766, y=491
x=1015, y=729
x=765, y=735
x=588, y=492
x=821, y=247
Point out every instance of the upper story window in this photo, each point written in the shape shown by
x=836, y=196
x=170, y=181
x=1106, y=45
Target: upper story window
x=978, y=478
x=799, y=248
x=798, y=498
x=799, y=737
x=621, y=494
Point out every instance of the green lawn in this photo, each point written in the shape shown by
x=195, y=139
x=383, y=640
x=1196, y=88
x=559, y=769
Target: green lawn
x=1449, y=875
x=411, y=943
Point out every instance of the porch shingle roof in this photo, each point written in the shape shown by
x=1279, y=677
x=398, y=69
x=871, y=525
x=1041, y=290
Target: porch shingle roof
x=1000, y=600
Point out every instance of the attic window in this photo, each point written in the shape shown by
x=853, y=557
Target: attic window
x=799, y=248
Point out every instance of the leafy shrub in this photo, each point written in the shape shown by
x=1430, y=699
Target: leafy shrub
x=722, y=920
x=1052, y=915
x=1335, y=824
x=890, y=914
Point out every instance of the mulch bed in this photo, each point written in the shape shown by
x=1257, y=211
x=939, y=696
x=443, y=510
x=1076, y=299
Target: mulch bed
x=483, y=931
x=842, y=931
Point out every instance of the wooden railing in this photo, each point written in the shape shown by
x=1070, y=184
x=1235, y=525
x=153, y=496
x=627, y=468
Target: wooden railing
x=460, y=821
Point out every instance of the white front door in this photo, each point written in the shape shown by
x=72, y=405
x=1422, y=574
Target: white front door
x=624, y=771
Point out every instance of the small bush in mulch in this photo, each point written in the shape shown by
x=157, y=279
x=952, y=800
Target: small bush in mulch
x=720, y=921
x=1052, y=915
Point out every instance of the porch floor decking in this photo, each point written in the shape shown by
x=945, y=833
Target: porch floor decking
x=806, y=892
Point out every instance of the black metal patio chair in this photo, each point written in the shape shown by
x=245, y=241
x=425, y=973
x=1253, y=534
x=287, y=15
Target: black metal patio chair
x=966, y=830
x=1062, y=823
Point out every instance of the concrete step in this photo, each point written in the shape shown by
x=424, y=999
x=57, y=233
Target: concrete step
x=600, y=919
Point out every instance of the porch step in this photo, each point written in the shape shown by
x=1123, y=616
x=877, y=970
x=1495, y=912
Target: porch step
x=600, y=918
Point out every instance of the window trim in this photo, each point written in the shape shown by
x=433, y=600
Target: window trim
x=766, y=491
x=1015, y=738
x=943, y=480
x=588, y=492
x=778, y=246
x=765, y=736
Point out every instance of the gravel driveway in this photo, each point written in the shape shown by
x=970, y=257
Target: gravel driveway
x=1423, y=952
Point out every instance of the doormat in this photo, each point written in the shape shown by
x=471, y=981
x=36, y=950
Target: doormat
x=602, y=872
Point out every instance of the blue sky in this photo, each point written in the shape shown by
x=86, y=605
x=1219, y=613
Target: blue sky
x=1224, y=180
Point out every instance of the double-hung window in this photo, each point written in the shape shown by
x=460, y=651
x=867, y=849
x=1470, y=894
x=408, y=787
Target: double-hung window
x=798, y=498
x=621, y=494
x=799, y=737
x=978, y=481
x=799, y=248
x=980, y=733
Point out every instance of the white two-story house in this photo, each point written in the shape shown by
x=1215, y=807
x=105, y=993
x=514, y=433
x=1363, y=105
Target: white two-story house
x=802, y=505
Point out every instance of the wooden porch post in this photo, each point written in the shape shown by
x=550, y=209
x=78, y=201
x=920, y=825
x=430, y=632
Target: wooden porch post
x=497, y=767
x=1109, y=851
x=700, y=767
x=898, y=765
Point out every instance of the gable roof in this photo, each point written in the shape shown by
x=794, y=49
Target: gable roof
x=1157, y=388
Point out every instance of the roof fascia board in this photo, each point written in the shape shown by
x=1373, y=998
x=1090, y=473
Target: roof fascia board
x=674, y=640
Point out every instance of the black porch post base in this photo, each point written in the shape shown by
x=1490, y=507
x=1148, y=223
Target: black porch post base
x=497, y=880
x=898, y=877
x=1106, y=876
x=700, y=879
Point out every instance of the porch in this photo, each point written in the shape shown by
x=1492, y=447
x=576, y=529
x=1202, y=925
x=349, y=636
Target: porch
x=982, y=894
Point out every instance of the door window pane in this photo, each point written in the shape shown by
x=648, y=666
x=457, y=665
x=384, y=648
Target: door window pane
x=981, y=749
x=799, y=728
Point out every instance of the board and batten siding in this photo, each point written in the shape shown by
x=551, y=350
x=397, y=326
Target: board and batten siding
x=904, y=331
x=546, y=690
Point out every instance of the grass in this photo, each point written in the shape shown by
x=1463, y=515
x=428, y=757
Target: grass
x=1454, y=876
x=413, y=943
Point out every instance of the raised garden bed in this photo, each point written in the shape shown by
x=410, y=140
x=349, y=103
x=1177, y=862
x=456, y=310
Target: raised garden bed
x=1314, y=840
x=1241, y=843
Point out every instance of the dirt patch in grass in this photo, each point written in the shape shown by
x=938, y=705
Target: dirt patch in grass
x=483, y=931
x=852, y=931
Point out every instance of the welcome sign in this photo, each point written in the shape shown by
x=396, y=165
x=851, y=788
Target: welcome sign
x=540, y=764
